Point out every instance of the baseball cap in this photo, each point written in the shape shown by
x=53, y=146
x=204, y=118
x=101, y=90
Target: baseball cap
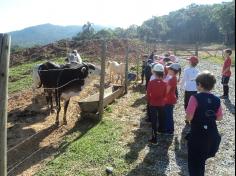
x=158, y=68
x=174, y=66
x=193, y=59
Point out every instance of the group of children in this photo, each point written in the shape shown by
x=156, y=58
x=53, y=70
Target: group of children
x=161, y=74
x=202, y=108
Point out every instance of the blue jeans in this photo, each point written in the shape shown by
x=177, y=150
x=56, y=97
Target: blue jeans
x=169, y=120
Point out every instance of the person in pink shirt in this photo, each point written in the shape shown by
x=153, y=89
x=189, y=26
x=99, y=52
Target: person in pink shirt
x=203, y=110
x=226, y=73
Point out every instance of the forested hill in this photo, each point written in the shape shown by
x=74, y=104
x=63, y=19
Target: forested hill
x=44, y=34
x=195, y=23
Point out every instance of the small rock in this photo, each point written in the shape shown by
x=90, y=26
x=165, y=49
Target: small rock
x=109, y=170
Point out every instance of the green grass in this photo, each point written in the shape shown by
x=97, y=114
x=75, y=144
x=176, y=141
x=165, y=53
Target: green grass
x=216, y=59
x=91, y=153
x=20, y=76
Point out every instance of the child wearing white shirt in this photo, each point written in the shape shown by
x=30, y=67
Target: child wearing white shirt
x=188, y=83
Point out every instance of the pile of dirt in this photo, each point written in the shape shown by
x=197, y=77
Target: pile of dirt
x=90, y=49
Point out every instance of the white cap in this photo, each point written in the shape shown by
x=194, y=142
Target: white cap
x=158, y=68
x=175, y=66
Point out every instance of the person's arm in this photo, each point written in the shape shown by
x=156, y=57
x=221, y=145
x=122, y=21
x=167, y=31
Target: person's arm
x=219, y=114
x=225, y=70
x=192, y=105
x=149, y=87
x=168, y=88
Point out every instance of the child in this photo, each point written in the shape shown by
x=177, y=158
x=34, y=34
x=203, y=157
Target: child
x=188, y=83
x=142, y=73
x=151, y=78
x=226, y=73
x=170, y=98
x=148, y=71
x=156, y=93
x=203, y=110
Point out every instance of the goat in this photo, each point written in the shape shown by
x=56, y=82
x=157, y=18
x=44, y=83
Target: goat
x=114, y=68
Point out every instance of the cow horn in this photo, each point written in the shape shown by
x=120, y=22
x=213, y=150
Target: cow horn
x=83, y=69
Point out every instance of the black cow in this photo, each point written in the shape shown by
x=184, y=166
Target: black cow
x=64, y=82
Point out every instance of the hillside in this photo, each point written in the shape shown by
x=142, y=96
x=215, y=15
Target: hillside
x=44, y=34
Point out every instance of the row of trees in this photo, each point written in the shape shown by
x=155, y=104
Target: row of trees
x=196, y=23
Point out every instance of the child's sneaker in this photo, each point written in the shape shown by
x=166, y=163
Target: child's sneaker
x=224, y=97
x=153, y=141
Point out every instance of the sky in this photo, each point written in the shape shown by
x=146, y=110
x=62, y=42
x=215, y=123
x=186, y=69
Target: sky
x=19, y=14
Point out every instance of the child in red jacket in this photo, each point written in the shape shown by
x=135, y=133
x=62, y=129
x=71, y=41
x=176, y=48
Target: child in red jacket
x=156, y=92
x=171, y=98
x=226, y=73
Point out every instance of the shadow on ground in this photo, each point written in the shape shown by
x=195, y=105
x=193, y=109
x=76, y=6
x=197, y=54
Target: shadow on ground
x=230, y=106
x=37, y=153
x=156, y=159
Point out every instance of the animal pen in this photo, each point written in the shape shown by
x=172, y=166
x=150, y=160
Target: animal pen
x=94, y=104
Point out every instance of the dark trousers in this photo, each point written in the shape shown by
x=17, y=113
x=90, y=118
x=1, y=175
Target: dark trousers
x=147, y=77
x=225, y=82
x=201, y=146
x=142, y=76
x=187, y=96
x=148, y=112
x=196, y=163
x=157, y=116
x=169, y=119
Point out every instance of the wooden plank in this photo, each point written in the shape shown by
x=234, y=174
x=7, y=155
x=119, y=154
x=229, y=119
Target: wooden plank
x=102, y=79
x=91, y=104
x=5, y=41
x=126, y=67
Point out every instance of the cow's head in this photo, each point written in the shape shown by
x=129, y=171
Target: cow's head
x=93, y=70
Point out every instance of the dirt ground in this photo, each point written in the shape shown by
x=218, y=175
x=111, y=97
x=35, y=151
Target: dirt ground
x=33, y=138
x=32, y=135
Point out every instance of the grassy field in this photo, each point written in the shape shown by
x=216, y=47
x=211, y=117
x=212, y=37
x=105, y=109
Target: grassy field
x=90, y=152
x=20, y=76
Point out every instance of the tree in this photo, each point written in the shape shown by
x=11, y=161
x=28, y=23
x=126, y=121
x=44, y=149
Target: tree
x=224, y=17
x=104, y=34
x=87, y=32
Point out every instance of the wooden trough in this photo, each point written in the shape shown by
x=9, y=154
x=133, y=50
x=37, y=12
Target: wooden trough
x=91, y=103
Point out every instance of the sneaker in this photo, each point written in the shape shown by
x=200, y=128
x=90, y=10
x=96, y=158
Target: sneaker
x=153, y=141
x=187, y=122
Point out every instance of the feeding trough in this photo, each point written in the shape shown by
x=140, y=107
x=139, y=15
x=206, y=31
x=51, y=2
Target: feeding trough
x=91, y=103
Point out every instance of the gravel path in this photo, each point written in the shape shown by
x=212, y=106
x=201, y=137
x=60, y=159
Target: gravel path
x=169, y=157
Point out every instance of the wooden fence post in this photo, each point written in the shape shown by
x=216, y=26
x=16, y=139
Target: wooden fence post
x=126, y=67
x=196, y=49
x=137, y=66
x=102, y=79
x=5, y=41
x=175, y=51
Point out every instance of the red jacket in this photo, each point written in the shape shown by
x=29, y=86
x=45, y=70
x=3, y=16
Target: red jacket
x=227, y=63
x=170, y=98
x=156, y=92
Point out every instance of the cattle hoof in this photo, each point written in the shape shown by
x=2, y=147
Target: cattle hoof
x=57, y=123
x=53, y=111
